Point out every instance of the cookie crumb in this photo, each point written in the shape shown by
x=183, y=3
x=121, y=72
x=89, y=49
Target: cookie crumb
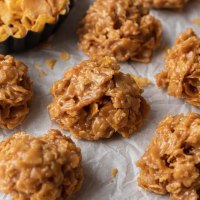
x=114, y=172
x=141, y=81
x=37, y=66
x=196, y=21
x=64, y=56
x=51, y=63
x=42, y=73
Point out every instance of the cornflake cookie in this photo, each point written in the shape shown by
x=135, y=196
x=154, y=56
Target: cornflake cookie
x=17, y=17
x=171, y=163
x=181, y=73
x=122, y=29
x=15, y=92
x=172, y=4
x=42, y=168
x=94, y=100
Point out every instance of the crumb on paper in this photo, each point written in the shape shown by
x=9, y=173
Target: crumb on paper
x=114, y=172
x=141, y=81
x=64, y=56
x=51, y=63
x=196, y=21
x=37, y=66
x=42, y=73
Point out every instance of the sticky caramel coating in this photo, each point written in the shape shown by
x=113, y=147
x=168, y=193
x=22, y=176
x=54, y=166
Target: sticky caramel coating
x=15, y=92
x=122, y=29
x=94, y=100
x=171, y=4
x=17, y=17
x=171, y=164
x=181, y=73
x=40, y=168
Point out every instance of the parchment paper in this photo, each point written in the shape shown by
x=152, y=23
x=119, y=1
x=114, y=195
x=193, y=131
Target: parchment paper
x=100, y=157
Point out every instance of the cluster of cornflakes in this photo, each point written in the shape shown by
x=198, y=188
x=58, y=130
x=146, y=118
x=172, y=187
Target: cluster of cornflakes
x=15, y=92
x=122, y=29
x=43, y=168
x=94, y=100
x=181, y=74
x=19, y=17
x=171, y=163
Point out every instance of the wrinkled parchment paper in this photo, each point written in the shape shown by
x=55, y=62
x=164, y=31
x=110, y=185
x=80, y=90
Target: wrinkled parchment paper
x=100, y=157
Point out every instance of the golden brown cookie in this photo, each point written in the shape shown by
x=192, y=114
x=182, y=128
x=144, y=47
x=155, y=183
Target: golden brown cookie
x=171, y=4
x=181, y=73
x=17, y=17
x=15, y=92
x=171, y=164
x=122, y=29
x=42, y=168
x=94, y=100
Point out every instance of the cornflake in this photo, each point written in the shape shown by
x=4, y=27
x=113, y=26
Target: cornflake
x=64, y=56
x=114, y=172
x=51, y=63
x=141, y=81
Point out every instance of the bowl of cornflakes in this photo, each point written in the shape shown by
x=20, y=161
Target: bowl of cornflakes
x=26, y=23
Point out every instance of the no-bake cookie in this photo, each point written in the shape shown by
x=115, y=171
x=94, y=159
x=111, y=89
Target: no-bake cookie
x=15, y=92
x=171, y=4
x=94, y=100
x=181, y=73
x=17, y=17
x=40, y=168
x=171, y=163
x=122, y=29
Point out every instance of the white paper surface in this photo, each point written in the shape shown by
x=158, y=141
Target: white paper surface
x=100, y=157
